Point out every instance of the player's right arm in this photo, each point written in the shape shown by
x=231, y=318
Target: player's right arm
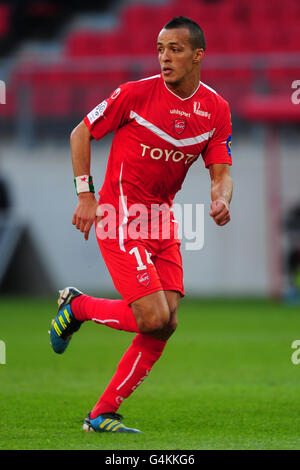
x=85, y=213
x=106, y=117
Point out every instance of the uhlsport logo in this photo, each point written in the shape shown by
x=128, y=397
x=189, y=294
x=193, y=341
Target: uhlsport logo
x=179, y=126
x=180, y=112
x=2, y=92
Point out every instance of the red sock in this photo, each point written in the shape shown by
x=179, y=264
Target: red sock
x=113, y=313
x=133, y=368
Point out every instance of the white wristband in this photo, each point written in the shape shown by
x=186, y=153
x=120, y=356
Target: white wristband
x=84, y=184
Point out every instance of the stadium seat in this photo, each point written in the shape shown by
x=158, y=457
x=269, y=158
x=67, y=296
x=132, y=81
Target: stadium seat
x=78, y=80
x=52, y=102
x=280, y=79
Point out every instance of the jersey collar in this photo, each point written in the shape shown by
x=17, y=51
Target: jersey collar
x=182, y=99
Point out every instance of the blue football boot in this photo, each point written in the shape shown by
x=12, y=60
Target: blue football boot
x=65, y=324
x=106, y=422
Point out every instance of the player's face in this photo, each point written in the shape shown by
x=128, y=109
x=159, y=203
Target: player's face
x=175, y=54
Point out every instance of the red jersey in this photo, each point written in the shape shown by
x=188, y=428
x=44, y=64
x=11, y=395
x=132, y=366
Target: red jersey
x=158, y=136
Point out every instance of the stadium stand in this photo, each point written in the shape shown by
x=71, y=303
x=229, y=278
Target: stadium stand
x=251, y=48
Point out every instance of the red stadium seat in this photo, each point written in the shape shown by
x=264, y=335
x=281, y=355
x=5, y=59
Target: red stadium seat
x=77, y=44
x=81, y=81
x=87, y=44
x=229, y=26
x=280, y=79
x=50, y=102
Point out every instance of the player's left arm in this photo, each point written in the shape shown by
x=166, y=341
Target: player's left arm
x=221, y=192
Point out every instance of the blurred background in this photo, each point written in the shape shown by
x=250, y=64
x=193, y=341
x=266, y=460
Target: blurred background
x=58, y=60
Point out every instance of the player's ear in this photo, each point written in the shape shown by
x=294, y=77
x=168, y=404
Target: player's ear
x=198, y=55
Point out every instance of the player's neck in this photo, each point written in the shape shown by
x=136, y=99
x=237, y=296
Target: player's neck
x=186, y=88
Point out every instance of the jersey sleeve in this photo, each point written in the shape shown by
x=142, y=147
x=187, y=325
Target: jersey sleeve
x=218, y=149
x=110, y=114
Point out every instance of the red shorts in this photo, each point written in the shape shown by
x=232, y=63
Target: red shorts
x=144, y=267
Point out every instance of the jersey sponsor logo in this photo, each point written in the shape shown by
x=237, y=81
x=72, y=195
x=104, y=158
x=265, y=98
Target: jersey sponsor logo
x=97, y=112
x=228, y=144
x=115, y=94
x=143, y=278
x=167, y=155
x=199, y=111
x=179, y=126
x=181, y=113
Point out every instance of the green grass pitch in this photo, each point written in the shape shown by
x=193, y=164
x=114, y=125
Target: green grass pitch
x=225, y=380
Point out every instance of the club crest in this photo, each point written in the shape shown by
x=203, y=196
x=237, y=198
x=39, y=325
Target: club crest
x=143, y=278
x=179, y=126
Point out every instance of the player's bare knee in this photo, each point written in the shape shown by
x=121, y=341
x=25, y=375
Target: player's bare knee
x=153, y=320
x=152, y=313
x=154, y=323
